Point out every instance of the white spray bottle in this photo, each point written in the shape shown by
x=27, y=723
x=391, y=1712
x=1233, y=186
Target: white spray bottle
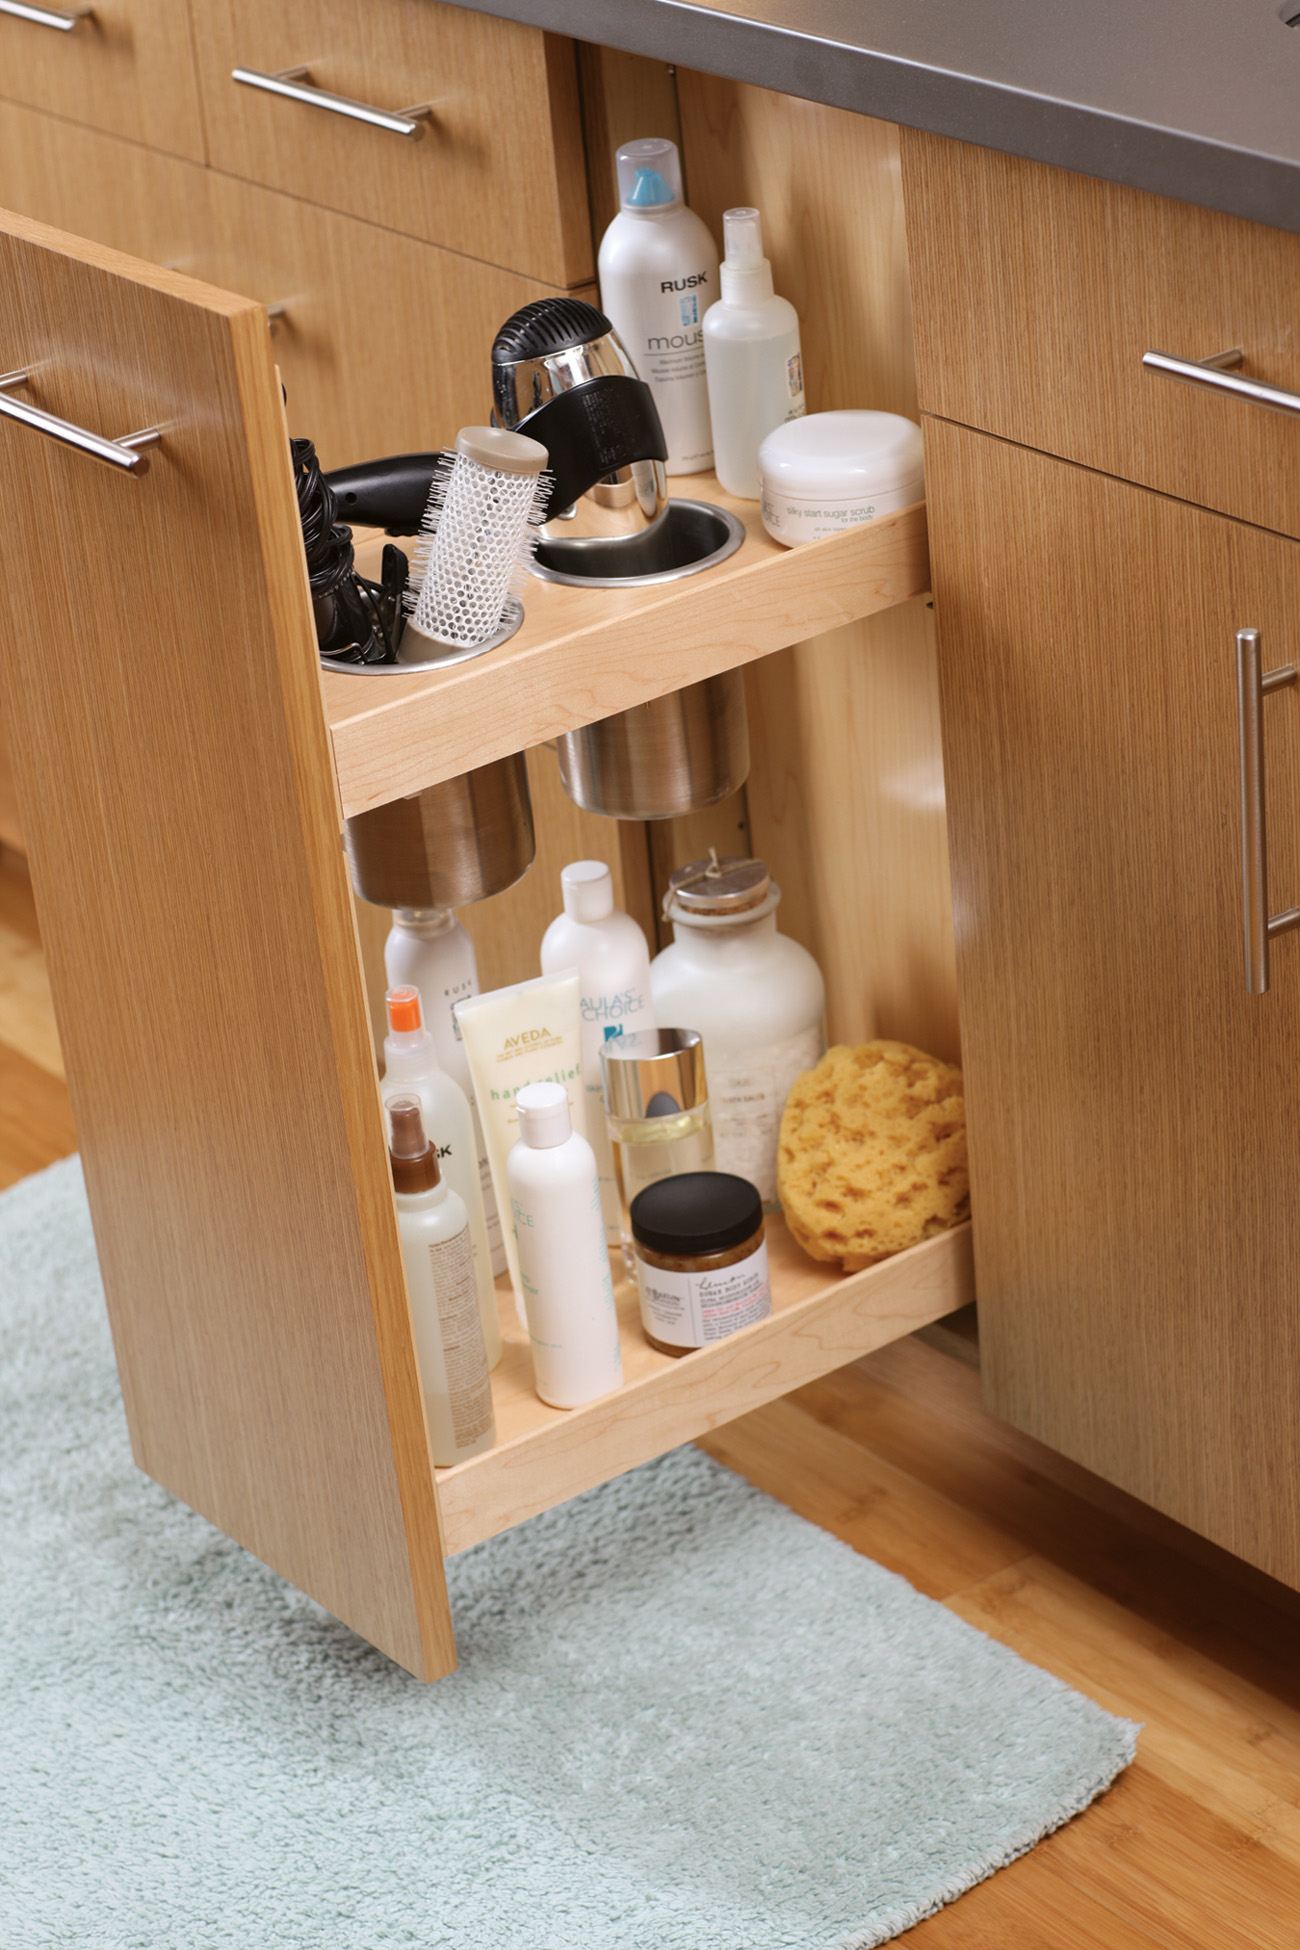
x=428, y=949
x=751, y=351
x=411, y=1069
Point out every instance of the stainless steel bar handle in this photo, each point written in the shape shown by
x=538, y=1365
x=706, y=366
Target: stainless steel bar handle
x=62, y=19
x=1216, y=373
x=1253, y=686
x=295, y=85
x=125, y=453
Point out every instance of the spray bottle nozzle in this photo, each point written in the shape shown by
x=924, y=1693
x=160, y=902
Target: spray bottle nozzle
x=407, y=1121
x=742, y=230
x=403, y=1010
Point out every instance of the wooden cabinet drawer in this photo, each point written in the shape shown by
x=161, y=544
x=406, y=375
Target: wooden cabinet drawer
x=128, y=68
x=366, y=365
x=1036, y=293
x=498, y=172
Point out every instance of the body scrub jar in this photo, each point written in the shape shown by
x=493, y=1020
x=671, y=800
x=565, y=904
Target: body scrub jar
x=830, y=471
x=701, y=1259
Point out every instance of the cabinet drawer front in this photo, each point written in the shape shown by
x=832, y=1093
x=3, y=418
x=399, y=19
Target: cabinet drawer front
x=1037, y=292
x=127, y=68
x=498, y=169
x=364, y=375
x=1135, y=1172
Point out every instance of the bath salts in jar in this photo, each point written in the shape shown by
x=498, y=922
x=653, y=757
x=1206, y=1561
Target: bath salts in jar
x=701, y=1259
x=755, y=996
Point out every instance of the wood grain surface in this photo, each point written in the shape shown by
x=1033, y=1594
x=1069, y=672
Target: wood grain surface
x=583, y=654
x=365, y=374
x=1132, y=1108
x=820, y=1320
x=1037, y=291
x=498, y=173
x=11, y=825
x=845, y=794
x=128, y=68
x=183, y=839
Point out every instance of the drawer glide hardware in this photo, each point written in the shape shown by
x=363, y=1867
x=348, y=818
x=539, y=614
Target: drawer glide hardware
x=296, y=85
x=1253, y=686
x=124, y=453
x=1219, y=374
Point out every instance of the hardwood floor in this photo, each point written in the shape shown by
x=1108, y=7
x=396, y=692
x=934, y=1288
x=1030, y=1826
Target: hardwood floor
x=1199, y=1843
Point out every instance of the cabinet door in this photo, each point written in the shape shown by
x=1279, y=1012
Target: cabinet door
x=161, y=696
x=1134, y=1111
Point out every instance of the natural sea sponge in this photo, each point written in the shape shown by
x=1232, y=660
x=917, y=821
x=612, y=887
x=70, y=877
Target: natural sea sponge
x=872, y=1153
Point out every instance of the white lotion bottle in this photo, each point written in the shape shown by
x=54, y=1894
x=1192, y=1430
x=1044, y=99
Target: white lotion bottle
x=428, y=949
x=610, y=954
x=411, y=1069
x=439, y=1262
x=658, y=270
x=563, y=1260
x=752, y=355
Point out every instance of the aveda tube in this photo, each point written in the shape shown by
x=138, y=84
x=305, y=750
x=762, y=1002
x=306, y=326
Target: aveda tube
x=530, y=1033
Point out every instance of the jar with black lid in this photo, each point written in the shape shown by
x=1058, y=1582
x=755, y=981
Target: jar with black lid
x=701, y=1259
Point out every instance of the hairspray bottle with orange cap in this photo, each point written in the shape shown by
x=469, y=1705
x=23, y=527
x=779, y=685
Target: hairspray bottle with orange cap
x=411, y=1068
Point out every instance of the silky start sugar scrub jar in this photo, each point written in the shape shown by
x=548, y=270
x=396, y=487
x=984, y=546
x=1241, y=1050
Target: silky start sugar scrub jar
x=830, y=471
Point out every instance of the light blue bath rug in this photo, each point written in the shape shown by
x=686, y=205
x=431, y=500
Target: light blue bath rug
x=685, y=1719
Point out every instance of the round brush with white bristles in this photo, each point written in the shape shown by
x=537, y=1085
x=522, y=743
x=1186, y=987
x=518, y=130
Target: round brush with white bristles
x=477, y=536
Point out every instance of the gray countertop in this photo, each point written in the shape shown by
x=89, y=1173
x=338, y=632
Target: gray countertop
x=1195, y=99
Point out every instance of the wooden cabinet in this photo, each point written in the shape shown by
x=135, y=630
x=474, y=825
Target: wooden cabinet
x=127, y=67
x=365, y=374
x=497, y=172
x=182, y=764
x=1133, y=1110
x=1038, y=291
x=1132, y=1107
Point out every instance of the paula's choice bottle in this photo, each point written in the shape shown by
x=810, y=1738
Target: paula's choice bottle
x=609, y=952
x=658, y=272
x=439, y=1264
x=563, y=1260
x=411, y=1069
x=756, y=997
x=752, y=356
x=428, y=949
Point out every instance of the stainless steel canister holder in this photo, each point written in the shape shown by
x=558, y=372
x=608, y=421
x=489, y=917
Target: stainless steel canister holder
x=452, y=843
x=658, y=760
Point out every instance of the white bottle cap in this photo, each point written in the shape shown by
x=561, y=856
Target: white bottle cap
x=588, y=888
x=543, y=1115
x=649, y=174
x=746, y=273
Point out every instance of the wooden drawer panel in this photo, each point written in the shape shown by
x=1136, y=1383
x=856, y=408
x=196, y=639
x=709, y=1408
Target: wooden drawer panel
x=127, y=68
x=499, y=171
x=1036, y=293
x=365, y=364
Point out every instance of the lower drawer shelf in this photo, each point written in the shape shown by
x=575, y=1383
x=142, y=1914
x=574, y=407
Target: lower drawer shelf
x=820, y=1320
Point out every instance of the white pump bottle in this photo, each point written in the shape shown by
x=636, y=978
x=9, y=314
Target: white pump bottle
x=752, y=354
x=609, y=952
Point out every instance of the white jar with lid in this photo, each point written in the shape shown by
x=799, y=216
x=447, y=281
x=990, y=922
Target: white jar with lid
x=830, y=471
x=756, y=997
